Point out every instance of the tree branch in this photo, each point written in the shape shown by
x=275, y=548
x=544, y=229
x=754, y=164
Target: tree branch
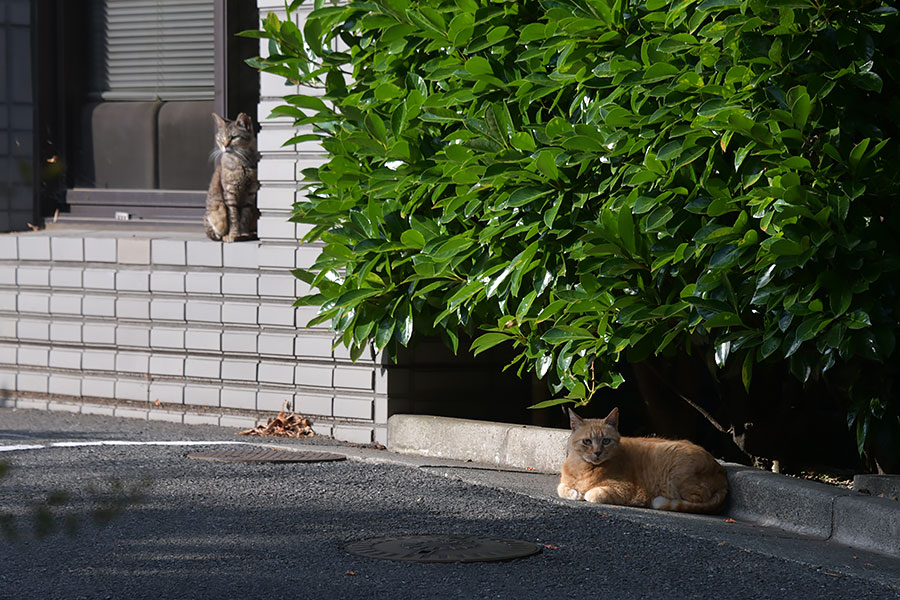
x=693, y=404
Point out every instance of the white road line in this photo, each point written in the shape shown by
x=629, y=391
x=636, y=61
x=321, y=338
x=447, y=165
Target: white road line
x=20, y=447
x=15, y=447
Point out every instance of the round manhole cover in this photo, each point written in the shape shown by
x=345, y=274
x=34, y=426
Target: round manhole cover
x=442, y=548
x=258, y=455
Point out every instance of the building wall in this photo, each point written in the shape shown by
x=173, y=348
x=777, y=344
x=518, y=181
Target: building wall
x=173, y=326
x=16, y=116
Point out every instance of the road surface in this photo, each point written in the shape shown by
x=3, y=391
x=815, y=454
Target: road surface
x=202, y=529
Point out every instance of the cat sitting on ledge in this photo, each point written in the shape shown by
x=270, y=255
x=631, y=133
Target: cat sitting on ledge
x=605, y=467
x=231, y=212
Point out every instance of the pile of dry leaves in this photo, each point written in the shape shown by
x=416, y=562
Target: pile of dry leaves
x=284, y=425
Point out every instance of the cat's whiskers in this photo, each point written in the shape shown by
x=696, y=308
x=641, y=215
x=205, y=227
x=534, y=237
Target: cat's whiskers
x=245, y=156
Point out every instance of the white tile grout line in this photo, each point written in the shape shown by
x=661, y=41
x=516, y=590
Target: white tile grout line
x=15, y=447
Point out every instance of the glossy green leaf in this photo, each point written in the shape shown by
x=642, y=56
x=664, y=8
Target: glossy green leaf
x=478, y=65
x=786, y=247
x=723, y=319
x=839, y=300
x=387, y=91
x=523, y=141
x=723, y=351
x=552, y=402
x=747, y=371
x=858, y=319
x=523, y=196
x=375, y=127
x=413, y=238
x=517, y=264
x=451, y=248
x=562, y=334
x=354, y=297
x=384, y=332
x=525, y=305
x=657, y=219
x=403, y=328
x=718, y=5
x=626, y=229
x=551, y=309
x=659, y=71
x=801, y=105
x=488, y=340
x=542, y=365
x=857, y=153
x=546, y=163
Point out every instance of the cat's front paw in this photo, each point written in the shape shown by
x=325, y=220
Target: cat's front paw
x=598, y=495
x=564, y=491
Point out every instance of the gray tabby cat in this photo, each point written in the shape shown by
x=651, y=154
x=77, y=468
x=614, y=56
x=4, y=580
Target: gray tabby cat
x=231, y=212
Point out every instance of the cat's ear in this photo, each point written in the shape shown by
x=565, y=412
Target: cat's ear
x=243, y=120
x=574, y=420
x=220, y=122
x=613, y=418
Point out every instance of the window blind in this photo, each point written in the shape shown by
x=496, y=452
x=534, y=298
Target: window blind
x=153, y=50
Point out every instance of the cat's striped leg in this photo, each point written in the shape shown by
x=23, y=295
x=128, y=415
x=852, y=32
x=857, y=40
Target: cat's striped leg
x=234, y=227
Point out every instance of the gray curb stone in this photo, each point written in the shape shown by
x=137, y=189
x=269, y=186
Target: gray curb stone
x=517, y=446
x=805, y=507
x=796, y=505
x=870, y=523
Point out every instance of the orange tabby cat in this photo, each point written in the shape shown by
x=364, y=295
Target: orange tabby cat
x=605, y=467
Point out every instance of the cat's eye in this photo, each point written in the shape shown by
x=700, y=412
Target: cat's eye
x=605, y=441
x=586, y=441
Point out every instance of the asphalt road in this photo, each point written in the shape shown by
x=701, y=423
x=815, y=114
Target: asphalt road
x=233, y=530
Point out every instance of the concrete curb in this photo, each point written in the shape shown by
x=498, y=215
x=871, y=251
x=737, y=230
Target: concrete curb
x=517, y=446
x=805, y=507
x=796, y=505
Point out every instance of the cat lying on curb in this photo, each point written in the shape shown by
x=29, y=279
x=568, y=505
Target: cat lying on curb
x=604, y=467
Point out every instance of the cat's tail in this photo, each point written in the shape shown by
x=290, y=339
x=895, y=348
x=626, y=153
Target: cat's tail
x=711, y=505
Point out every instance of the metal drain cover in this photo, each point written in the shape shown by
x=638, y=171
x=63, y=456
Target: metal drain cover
x=442, y=548
x=261, y=455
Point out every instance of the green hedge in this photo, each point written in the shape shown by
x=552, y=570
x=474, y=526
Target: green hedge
x=595, y=182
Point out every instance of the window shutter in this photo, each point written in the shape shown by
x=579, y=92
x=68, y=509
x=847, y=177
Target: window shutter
x=153, y=50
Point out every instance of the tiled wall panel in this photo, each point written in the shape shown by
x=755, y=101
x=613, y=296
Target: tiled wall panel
x=199, y=330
